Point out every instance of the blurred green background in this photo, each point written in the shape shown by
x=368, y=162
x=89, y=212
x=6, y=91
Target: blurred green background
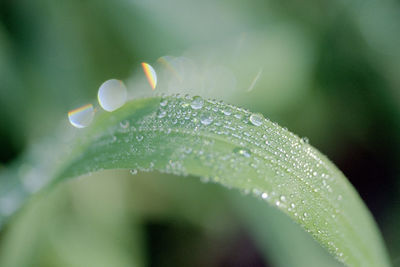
x=327, y=70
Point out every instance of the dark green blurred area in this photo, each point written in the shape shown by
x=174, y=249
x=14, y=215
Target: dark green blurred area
x=330, y=72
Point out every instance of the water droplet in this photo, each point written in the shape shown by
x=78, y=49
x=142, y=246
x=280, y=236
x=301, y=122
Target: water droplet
x=227, y=112
x=305, y=140
x=112, y=95
x=197, y=102
x=150, y=74
x=184, y=104
x=139, y=137
x=81, y=117
x=305, y=214
x=256, y=119
x=163, y=102
x=206, y=119
x=264, y=195
x=242, y=151
x=161, y=114
x=124, y=124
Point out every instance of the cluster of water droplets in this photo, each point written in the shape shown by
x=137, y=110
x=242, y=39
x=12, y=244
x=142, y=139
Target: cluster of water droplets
x=222, y=139
x=227, y=139
x=112, y=95
x=259, y=152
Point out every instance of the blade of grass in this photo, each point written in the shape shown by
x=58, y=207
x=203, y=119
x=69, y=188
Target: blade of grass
x=222, y=144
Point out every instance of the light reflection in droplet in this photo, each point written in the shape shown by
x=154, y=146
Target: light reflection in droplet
x=112, y=95
x=166, y=62
x=82, y=116
x=150, y=74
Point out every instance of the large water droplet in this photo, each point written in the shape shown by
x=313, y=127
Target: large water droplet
x=112, y=95
x=256, y=119
x=197, y=102
x=81, y=117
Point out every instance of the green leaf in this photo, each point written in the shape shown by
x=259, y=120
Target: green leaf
x=219, y=143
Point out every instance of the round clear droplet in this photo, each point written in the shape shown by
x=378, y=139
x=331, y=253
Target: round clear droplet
x=206, y=119
x=256, y=119
x=112, y=95
x=163, y=102
x=197, y=102
x=124, y=124
x=242, y=151
x=81, y=117
x=304, y=140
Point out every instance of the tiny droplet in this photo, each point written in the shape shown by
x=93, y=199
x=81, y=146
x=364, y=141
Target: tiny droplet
x=242, y=151
x=197, y=102
x=256, y=119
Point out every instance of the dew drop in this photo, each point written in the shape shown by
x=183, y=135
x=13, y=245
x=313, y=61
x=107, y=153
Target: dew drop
x=238, y=116
x=197, y=102
x=206, y=119
x=139, y=137
x=305, y=140
x=81, y=117
x=112, y=95
x=256, y=119
x=227, y=112
x=124, y=124
x=161, y=114
x=163, y=102
x=264, y=195
x=242, y=151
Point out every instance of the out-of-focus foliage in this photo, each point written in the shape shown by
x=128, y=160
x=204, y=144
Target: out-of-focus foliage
x=329, y=71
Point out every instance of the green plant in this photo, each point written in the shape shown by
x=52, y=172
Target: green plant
x=219, y=143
